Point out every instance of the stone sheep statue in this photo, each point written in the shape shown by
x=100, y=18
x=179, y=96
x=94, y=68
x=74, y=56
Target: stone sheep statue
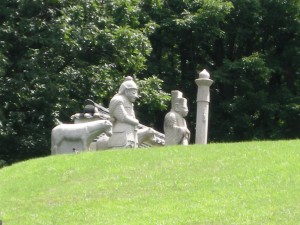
x=68, y=138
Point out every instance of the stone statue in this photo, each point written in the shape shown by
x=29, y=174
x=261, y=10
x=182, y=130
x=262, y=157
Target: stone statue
x=145, y=134
x=68, y=138
x=89, y=107
x=90, y=113
x=176, y=131
x=203, y=98
x=122, y=116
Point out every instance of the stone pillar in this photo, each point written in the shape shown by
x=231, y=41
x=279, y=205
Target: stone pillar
x=203, y=99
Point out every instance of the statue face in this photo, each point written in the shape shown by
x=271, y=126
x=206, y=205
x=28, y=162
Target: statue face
x=182, y=110
x=131, y=94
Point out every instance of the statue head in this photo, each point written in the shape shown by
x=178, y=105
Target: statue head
x=179, y=104
x=129, y=89
x=181, y=107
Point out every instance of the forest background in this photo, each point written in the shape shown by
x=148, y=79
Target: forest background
x=54, y=54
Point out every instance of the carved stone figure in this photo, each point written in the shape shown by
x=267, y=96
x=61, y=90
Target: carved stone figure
x=90, y=113
x=176, y=131
x=68, y=138
x=122, y=116
x=145, y=134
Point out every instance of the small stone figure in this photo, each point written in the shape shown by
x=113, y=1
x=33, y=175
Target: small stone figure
x=89, y=107
x=176, y=131
x=122, y=116
x=90, y=113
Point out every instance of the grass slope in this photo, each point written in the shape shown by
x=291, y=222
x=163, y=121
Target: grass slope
x=215, y=184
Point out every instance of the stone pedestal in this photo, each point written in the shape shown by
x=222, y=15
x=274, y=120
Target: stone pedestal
x=203, y=99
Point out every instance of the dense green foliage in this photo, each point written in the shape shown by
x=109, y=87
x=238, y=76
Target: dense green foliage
x=252, y=50
x=246, y=183
x=56, y=53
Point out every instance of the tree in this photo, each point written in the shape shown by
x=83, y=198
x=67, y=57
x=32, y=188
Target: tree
x=256, y=82
x=251, y=49
x=56, y=54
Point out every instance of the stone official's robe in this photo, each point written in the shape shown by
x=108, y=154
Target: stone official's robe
x=124, y=133
x=175, y=129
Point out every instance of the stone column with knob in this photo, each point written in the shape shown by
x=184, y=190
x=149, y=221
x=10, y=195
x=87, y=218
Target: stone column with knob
x=203, y=98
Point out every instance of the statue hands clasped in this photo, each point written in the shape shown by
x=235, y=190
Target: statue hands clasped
x=176, y=131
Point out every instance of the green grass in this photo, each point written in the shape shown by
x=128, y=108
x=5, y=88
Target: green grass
x=216, y=184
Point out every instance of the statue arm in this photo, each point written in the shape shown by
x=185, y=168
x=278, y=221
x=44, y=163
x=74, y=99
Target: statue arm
x=121, y=115
x=170, y=122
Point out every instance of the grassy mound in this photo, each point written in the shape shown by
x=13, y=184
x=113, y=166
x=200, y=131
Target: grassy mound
x=220, y=184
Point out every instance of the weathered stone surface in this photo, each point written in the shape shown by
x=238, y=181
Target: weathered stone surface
x=67, y=138
x=203, y=98
x=122, y=107
x=175, y=128
x=147, y=136
x=122, y=116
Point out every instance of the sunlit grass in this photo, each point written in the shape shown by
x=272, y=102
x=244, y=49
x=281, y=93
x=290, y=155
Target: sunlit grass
x=240, y=183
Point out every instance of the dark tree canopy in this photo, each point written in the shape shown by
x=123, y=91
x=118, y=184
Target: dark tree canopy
x=252, y=50
x=54, y=54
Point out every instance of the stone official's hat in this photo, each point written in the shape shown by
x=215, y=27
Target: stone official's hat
x=181, y=101
x=128, y=83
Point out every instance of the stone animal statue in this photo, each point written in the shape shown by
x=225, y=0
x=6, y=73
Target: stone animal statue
x=143, y=134
x=77, y=136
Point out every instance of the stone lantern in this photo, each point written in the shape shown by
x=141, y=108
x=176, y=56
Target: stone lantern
x=203, y=98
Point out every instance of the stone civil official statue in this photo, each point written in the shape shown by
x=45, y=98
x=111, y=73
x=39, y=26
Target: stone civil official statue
x=123, y=117
x=176, y=131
